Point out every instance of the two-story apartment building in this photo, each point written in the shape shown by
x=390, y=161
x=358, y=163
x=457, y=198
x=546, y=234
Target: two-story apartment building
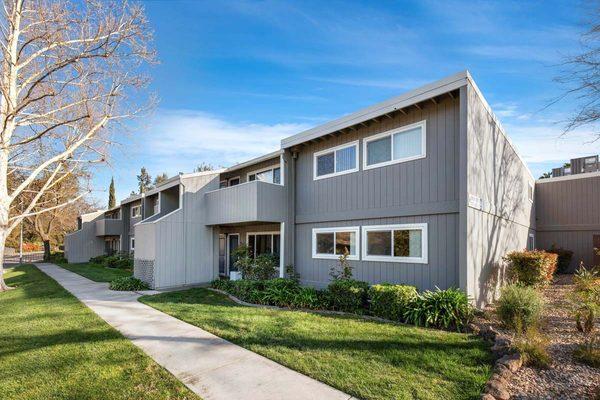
x=423, y=189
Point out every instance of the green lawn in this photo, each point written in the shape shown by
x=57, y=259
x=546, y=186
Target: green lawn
x=366, y=359
x=54, y=347
x=95, y=272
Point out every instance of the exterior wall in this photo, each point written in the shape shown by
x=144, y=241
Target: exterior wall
x=181, y=243
x=423, y=190
x=568, y=215
x=83, y=244
x=243, y=172
x=498, y=213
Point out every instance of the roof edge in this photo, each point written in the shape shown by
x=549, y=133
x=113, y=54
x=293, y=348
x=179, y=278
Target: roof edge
x=569, y=177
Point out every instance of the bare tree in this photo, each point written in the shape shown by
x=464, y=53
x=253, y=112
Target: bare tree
x=581, y=79
x=71, y=76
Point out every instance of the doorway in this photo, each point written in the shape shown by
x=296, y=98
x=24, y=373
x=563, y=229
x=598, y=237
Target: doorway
x=233, y=241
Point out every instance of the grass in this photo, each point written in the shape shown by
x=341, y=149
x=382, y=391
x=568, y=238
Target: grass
x=53, y=347
x=367, y=359
x=95, y=272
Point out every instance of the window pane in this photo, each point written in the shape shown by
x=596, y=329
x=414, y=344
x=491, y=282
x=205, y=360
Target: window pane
x=407, y=243
x=408, y=144
x=277, y=175
x=235, y=181
x=325, y=243
x=251, y=242
x=345, y=159
x=251, y=177
x=379, y=243
x=263, y=244
x=379, y=150
x=276, y=240
x=345, y=241
x=266, y=176
x=325, y=164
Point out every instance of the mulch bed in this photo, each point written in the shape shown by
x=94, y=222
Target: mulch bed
x=566, y=378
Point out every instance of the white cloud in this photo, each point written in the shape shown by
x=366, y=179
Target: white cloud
x=179, y=140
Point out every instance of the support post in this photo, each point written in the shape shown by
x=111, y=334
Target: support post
x=282, y=250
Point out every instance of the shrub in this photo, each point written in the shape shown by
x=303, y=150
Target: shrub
x=248, y=290
x=531, y=268
x=291, y=273
x=391, y=301
x=57, y=257
x=264, y=267
x=222, y=284
x=127, y=283
x=519, y=307
x=447, y=309
x=564, y=258
x=588, y=353
x=307, y=297
x=280, y=292
x=585, y=299
x=345, y=269
x=98, y=259
x=533, y=348
x=348, y=295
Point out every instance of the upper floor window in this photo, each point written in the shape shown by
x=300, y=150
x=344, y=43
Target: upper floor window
x=336, y=161
x=530, y=192
x=334, y=242
x=136, y=211
x=271, y=175
x=234, y=181
x=395, y=243
x=396, y=146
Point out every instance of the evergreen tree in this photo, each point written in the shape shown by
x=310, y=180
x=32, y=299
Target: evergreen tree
x=112, y=201
x=144, y=180
x=160, y=178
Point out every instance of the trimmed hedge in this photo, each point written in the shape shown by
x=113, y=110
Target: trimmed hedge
x=532, y=268
x=564, y=258
x=127, y=283
x=121, y=261
x=446, y=309
x=391, y=301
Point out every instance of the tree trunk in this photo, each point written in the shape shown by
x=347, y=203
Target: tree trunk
x=46, y=249
x=3, y=285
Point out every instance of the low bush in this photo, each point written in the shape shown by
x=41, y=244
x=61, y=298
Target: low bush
x=348, y=295
x=307, y=297
x=588, y=353
x=531, y=268
x=225, y=285
x=57, y=257
x=248, y=290
x=127, y=283
x=533, y=348
x=446, y=309
x=262, y=267
x=98, y=259
x=280, y=292
x=391, y=301
x=519, y=307
x=564, y=258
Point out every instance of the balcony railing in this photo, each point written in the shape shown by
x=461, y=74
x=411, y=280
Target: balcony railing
x=254, y=201
x=109, y=227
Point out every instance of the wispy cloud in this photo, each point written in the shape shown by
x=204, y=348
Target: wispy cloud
x=405, y=84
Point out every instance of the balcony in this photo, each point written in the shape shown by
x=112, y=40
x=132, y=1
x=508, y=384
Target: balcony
x=109, y=227
x=249, y=202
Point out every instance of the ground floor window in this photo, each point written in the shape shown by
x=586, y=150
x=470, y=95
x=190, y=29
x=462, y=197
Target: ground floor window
x=132, y=243
x=334, y=242
x=112, y=245
x=531, y=242
x=395, y=243
x=263, y=243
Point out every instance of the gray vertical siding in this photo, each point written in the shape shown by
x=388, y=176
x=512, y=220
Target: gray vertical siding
x=243, y=172
x=441, y=269
x=424, y=190
x=505, y=216
x=83, y=244
x=568, y=214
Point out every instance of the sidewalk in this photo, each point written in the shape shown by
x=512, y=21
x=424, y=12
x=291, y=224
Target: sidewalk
x=210, y=366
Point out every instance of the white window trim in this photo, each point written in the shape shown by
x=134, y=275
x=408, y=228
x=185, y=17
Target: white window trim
x=139, y=206
x=529, y=185
x=422, y=124
x=258, y=171
x=412, y=260
x=532, y=236
x=232, y=178
x=354, y=229
x=132, y=243
x=248, y=234
x=334, y=150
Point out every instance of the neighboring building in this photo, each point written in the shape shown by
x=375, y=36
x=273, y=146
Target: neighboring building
x=568, y=215
x=423, y=189
x=577, y=166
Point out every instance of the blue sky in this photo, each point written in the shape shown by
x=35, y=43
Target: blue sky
x=235, y=77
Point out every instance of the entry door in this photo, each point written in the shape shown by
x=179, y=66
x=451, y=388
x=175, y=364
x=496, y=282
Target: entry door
x=596, y=250
x=222, y=254
x=233, y=241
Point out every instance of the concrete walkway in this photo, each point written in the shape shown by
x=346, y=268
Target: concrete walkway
x=210, y=366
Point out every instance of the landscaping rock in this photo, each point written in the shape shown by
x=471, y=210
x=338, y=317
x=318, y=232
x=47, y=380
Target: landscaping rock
x=497, y=389
x=487, y=396
x=503, y=371
x=512, y=361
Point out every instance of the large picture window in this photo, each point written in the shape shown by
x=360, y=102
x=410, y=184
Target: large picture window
x=336, y=161
x=395, y=243
x=333, y=242
x=396, y=146
x=263, y=243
